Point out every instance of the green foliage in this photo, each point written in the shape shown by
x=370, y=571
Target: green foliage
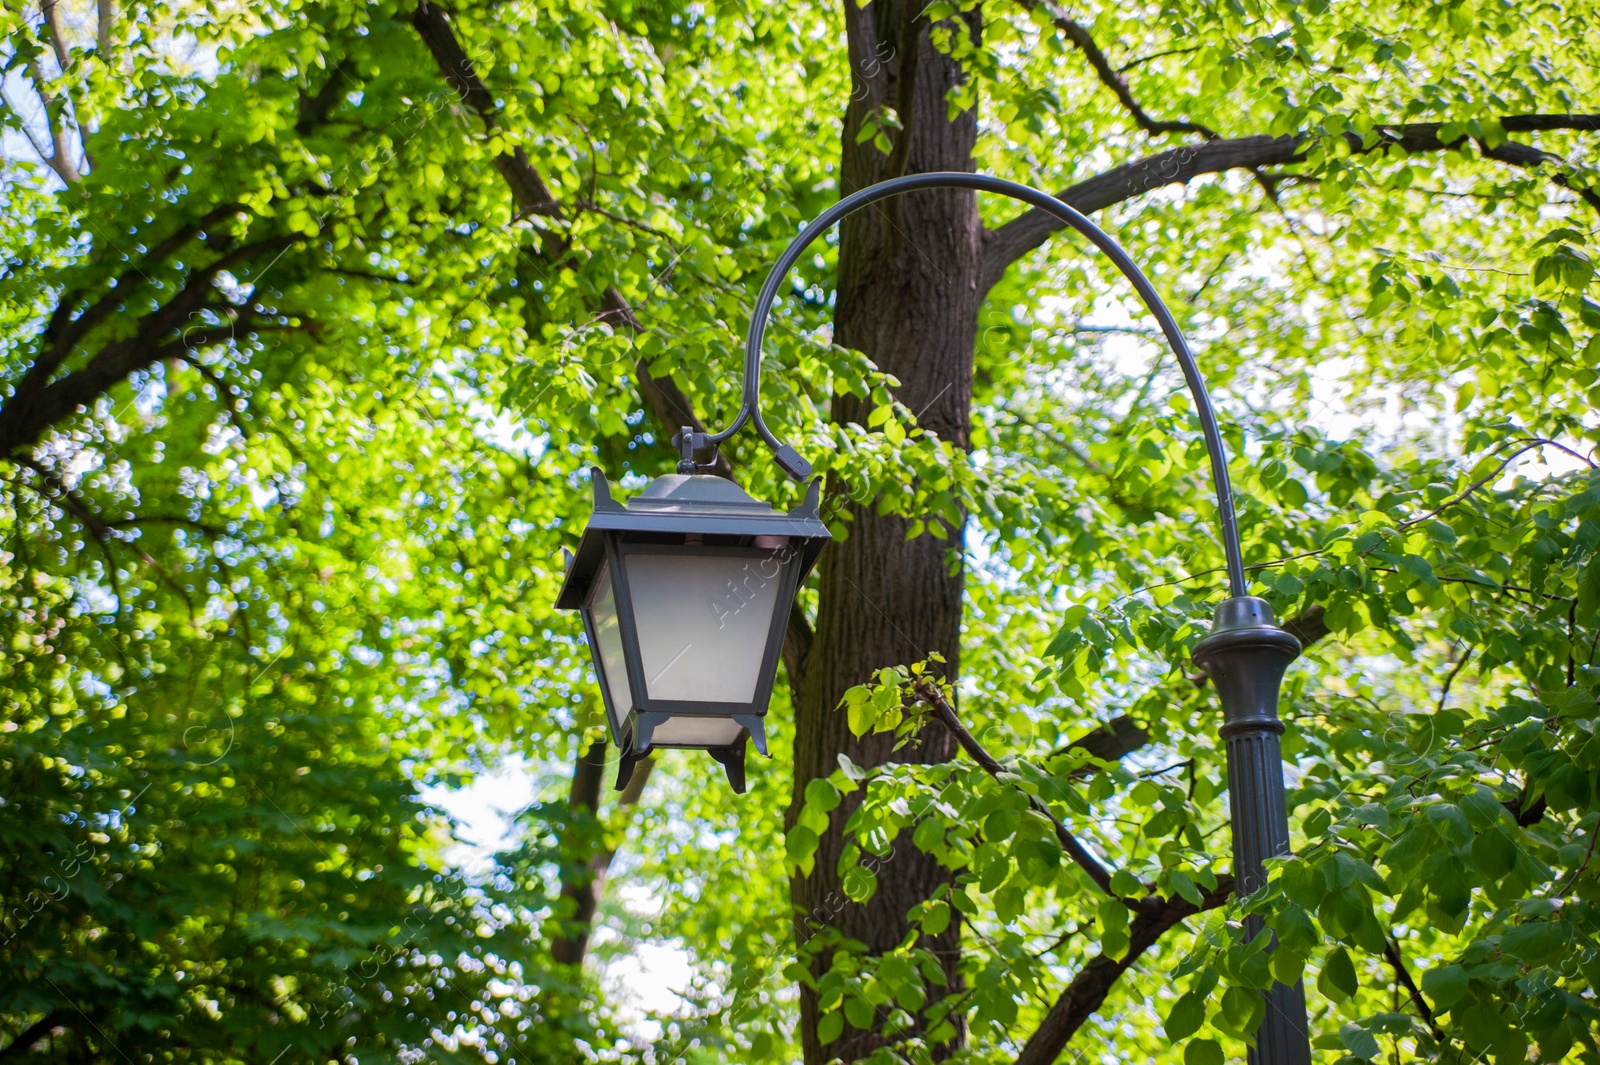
x=271, y=584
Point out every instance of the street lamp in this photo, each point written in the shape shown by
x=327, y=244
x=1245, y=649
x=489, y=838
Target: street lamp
x=1245, y=654
x=685, y=593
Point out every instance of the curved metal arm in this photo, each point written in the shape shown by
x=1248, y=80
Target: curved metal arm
x=797, y=467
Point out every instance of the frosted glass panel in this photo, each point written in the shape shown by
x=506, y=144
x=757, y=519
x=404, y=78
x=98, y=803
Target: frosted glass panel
x=703, y=622
x=695, y=732
x=608, y=635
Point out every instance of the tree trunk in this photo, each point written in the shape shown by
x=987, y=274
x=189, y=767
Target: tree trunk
x=585, y=857
x=582, y=877
x=908, y=297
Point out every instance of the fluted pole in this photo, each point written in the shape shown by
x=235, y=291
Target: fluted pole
x=1246, y=655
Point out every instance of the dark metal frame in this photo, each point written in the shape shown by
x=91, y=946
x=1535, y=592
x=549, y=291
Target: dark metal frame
x=650, y=526
x=1246, y=652
x=803, y=523
x=618, y=722
x=617, y=552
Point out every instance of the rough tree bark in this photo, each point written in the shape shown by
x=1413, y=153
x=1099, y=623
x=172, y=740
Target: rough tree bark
x=907, y=297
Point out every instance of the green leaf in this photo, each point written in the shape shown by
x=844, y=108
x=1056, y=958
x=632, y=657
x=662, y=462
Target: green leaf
x=299, y=580
x=1482, y=808
x=1493, y=853
x=859, y=884
x=1445, y=985
x=1288, y=966
x=801, y=847
x=1536, y=941
x=1303, y=883
x=1243, y=1007
x=1185, y=1017
x=861, y=713
x=1203, y=1052
x=994, y=874
x=1008, y=902
x=830, y=1027
x=1294, y=928
x=1184, y=886
x=928, y=835
x=1337, y=980
x=821, y=794
x=1359, y=1041
x=1348, y=869
x=1373, y=815
x=1450, y=822
x=1113, y=920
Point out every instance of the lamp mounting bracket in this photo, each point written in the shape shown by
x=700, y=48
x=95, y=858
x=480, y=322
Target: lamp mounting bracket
x=793, y=464
x=697, y=452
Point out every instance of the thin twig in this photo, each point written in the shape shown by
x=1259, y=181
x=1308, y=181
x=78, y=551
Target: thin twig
x=1391, y=951
x=1405, y=524
x=934, y=699
x=1059, y=940
x=1166, y=769
x=1527, y=445
x=1111, y=78
x=102, y=533
x=1444, y=692
x=1594, y=834
x=1142, y=60
x=590, y=205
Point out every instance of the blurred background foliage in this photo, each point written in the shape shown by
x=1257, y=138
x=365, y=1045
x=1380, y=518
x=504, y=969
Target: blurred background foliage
x=298, y=385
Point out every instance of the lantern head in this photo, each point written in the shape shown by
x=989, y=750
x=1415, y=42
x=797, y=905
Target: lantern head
x=685, y=594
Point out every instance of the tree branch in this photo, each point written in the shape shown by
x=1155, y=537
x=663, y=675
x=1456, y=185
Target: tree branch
x=1391, y=951
x=314, y=109
x=945, y=714
x=1153, y=56
x=59, y=158
x=1546, y=123
x=228, y=397
x=102, y=533
x=532, y=196
x=50, y=1022
x=671, y=407
x=1009, y=242
x=1527, y=445
x=1114, y=740
x=212, y=531
x=63, y=331
x=58, y=44
x=27, y=134
x=577, y=878
x=1121, y=736
x=1087, y=990
x=26, y=417
x=1308, y=626
x=58, y=40
x=105, y=17
x=1153, y=915
x=585, y=884
x=70, y=502
x=1109, y=76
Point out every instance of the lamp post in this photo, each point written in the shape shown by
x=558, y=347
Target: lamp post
x=1245, y=654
